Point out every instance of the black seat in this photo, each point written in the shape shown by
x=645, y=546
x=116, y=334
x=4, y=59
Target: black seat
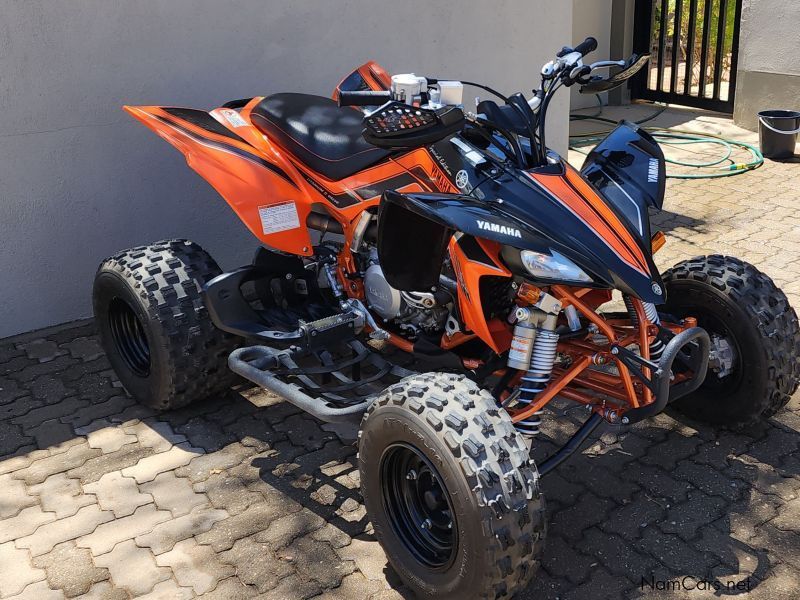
x=318, y=132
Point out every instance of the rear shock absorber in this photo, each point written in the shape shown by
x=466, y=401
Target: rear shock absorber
x=533, y=349
x=656, y=346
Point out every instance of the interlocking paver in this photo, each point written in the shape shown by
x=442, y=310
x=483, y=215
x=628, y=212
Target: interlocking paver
x=257, y=564
x=195, y=566
x=70, y=569
x=81, y=523
x=94, y=468
x=363, y=553
x=13, y=496
x=60, y=495
x=84, y=348
x=685, y=518
x=148, y=468
x=168, y=590
x=41, y=350
x=43, y=468
x=248, y=484
x=284, y=530
x=106, y=536
x=105, y=591
x=164, y=536
x=40, y=591
x=107, y=408
x=228, y=493
x=132, y=568
x=157, y=435
x=354, y=585
x=294, y=586
x=25, y=523
x=12, y=438
x=231, y=588
x=118, y=494
x=206, y=465
x=16, y=569
x=223, y=534
x=174, y=494
x=22, y=461
x=109, y=439
x=317, y=561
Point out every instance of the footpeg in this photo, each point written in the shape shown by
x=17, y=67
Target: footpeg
x=328, y=330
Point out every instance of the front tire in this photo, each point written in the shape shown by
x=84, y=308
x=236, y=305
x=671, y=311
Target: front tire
x=450, y=489
x=154, y=326
x=735, y=301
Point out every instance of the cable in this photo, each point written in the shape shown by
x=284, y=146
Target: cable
x=481, y=86
x=678, y=137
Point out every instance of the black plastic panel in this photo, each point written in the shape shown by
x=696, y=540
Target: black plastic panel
x=628, y=169
x=411, y=248
x=202, y=119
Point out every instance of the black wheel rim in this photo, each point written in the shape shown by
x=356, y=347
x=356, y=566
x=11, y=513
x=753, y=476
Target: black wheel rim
x=714, y=325
x=129, y=338
x=418, y=506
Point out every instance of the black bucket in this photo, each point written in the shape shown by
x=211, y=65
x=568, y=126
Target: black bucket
x=777, y=132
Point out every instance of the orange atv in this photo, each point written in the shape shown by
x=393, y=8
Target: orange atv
x=437, y=275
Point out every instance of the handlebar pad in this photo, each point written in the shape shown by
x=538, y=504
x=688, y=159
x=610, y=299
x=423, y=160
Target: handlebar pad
x=586, y=46
x=364, y=98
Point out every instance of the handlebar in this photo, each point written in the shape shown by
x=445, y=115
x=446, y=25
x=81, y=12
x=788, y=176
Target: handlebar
x=364, y=98
x=586, y=46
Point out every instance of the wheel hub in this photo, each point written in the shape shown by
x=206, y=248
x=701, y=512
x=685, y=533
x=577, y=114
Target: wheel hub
x=722, y=357
x=418, y=506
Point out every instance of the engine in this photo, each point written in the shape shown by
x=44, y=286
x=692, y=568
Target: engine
x=412, y=312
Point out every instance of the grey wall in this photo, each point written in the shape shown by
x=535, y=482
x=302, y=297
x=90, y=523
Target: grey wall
x=591, y=18
x=80, y=180
x=768, y=74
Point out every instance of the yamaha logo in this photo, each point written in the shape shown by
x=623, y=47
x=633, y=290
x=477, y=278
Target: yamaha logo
x=462, y=179
x=495, y=228
x=656, y=289
x=652, y=171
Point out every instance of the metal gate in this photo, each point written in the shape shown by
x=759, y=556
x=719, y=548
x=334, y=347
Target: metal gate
x=693, y=47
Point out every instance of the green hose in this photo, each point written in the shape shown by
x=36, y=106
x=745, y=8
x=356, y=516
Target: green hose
x=676, y=137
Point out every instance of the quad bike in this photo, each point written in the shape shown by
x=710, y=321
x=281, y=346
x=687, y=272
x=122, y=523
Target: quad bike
x=438, y=276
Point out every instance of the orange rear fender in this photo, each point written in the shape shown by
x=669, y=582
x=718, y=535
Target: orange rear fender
x=263, y=188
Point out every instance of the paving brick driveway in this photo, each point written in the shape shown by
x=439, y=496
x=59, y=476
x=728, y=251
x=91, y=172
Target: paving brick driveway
x=244, y=496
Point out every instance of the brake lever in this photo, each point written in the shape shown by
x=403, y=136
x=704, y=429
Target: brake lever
x=605, y=64
x=575, y=75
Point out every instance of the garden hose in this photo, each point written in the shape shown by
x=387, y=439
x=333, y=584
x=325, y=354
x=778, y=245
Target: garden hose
x=678, y=137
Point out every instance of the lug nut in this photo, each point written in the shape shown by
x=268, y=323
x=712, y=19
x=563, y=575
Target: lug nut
x=411, y=475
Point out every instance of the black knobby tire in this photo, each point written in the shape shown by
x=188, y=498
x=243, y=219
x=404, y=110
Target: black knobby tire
x=490, y=483
x=154, y=326
x=729, y=296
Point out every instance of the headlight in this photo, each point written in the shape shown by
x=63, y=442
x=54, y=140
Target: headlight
x=552, y=266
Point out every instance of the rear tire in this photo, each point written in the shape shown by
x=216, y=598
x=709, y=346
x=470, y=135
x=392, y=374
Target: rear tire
x=154, y=326
x=437, y=446
x=732, y=298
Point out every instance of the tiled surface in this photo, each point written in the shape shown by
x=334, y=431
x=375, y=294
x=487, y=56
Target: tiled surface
x=243, y=496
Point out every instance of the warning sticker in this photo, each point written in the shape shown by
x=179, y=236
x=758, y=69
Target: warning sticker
x=520, y=349
x=233, y=118
x=278, y=217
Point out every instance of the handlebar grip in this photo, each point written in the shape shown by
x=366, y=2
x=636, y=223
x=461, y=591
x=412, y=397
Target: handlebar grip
x=364, y=98
x=586, y=46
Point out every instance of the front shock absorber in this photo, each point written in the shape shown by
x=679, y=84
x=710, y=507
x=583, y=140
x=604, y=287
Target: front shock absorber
x=656, y=346
x=533, y=349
